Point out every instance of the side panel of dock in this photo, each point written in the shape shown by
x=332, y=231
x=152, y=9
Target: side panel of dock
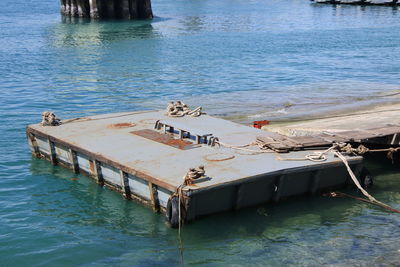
x=102, y=171
x=232, y=196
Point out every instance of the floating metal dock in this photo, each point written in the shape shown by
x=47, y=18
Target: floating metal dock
x=145, y=156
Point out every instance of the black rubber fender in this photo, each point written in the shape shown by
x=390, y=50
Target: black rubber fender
x=172, y=212
x=366, y=179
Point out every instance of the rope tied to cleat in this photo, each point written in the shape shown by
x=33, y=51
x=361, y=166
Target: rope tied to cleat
x=176, y=205
x=180, y=109
x=50, y=119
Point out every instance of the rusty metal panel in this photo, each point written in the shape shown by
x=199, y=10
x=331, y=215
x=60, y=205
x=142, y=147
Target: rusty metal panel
x=164, y=139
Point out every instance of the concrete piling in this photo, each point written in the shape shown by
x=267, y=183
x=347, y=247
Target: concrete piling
x=145, y=10
x=133, y=8
x=74, y=8
x=83, y=9
x=125, y=13
x=94, y=9
x=110, y=9
x=67, y=7
x=62, y=9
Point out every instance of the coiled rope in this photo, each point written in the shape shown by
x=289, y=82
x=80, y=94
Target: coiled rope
x=180, y=109
x=50, y=119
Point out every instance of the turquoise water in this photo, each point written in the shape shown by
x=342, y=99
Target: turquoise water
x=242, y=60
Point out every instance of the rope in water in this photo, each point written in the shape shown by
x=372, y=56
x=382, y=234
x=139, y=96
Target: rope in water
x=340, y=194
x=321, y=156
x=180, y=223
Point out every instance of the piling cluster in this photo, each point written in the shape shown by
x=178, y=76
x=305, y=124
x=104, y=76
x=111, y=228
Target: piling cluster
x=109, y=9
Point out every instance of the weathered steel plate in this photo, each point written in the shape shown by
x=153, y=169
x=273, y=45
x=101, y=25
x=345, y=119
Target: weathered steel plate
x=166, y=139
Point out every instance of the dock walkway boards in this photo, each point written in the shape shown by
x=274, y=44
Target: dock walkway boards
x=377, y=126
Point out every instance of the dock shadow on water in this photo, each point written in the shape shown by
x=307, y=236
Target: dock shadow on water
x=298, y=231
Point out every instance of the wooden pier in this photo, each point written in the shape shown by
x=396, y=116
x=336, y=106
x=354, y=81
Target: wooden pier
x=152, y=157
x=107, y=9
x=373, y=127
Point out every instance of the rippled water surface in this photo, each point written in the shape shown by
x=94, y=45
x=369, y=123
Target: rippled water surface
x=238, y=59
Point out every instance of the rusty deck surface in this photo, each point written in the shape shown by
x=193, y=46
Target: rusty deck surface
x=130, y=141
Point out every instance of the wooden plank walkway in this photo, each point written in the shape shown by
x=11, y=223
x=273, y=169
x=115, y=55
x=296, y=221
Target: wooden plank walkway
x=378, y=126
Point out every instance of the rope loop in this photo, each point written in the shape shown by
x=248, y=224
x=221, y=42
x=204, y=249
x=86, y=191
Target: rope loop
x=317, y=157
x=193, y=174
x=180, y=109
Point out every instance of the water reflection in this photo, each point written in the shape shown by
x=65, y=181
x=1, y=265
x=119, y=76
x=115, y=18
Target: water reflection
x=77, y=200
x=83, y=32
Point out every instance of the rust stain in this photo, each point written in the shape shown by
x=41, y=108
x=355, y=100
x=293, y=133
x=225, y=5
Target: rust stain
x=121, y=125
x=91, y=166
x=164, y=139
x=148, y=121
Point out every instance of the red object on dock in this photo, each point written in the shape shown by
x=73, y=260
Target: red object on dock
x=259, y=124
